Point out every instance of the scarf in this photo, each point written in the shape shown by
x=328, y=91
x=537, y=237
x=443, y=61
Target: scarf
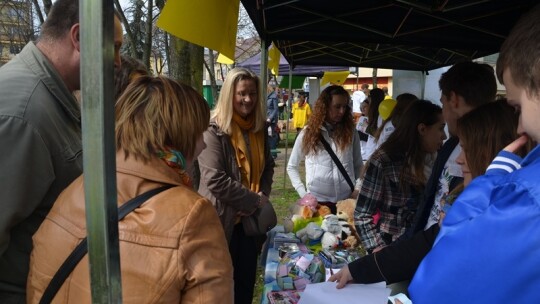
x=174, y=159
x=251, y=162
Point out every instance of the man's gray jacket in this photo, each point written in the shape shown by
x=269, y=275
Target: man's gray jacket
x=40, y=154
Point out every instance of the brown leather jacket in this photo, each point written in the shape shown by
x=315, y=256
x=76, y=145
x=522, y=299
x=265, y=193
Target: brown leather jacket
x=172, y=248
x=221, y=181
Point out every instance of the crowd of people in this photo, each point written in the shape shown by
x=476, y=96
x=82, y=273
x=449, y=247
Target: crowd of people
x=456, y=217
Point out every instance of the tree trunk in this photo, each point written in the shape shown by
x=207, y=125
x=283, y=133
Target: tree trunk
x=47, y=6
x=127, y=28
x=147, y=47
x=186, y=62
x=38, y=12
x=212, y=73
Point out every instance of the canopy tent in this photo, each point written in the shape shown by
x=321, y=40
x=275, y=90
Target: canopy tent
x=254, y=64
x=418, y=35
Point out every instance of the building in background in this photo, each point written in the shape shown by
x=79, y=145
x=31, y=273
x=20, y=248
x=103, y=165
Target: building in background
x=16, y=27
x=365, y=75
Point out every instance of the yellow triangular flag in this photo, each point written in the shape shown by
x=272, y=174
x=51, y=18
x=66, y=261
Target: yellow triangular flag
x=224, y=59
x=273, y=59
x=209, y=23
x=334, y=77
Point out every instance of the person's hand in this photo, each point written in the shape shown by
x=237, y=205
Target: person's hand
x=263, y=200
x=378, y=249
x=517, y=144
x=342, y=277
x=442, y=215
x=355, y=193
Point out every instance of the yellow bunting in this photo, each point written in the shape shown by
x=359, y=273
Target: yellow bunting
x=208, y=23
x=273, y=59
x=224, y=59
x=335, y=77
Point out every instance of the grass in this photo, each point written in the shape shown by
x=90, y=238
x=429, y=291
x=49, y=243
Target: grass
x=282, y=197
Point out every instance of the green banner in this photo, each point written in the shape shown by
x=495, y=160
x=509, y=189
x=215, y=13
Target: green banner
x=297, y=82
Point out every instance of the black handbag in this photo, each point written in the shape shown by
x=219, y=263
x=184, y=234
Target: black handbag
x=261, y=221
x=337, y=162
x=80, y=251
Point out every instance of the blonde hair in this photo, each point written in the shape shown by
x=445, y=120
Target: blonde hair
x=157, y=112
x=223, y=112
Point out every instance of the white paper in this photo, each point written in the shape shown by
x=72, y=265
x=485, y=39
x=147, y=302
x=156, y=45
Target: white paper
x=326, y=292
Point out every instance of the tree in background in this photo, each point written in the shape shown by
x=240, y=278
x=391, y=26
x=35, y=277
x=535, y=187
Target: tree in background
x=161, y=52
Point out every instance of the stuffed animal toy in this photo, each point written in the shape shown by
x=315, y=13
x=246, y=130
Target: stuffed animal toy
x=347, y=207
x=332, y=231
x=311, y=234
x=324, y=210
x=308, y=206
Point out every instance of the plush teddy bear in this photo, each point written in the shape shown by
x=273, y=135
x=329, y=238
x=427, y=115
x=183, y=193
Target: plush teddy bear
x=346, y=207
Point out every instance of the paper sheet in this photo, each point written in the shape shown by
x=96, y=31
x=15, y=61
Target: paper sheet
x=326, y=292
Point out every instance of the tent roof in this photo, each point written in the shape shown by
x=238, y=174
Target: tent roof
x=394, y=34
x=254, y=64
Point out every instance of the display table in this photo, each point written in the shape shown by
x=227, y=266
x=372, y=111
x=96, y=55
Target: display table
x=270, y=260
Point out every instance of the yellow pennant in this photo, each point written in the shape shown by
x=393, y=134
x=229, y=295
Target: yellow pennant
x=224, y=59
x=208, y=23
x=273, y=59
x=334, y=77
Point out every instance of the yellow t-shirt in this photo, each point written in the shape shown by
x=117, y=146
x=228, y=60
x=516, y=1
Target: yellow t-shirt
x=300, y=114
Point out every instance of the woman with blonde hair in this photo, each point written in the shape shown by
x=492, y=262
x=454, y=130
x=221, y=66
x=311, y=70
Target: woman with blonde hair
x=237, y=170
x=172, y=247
x=331, y=123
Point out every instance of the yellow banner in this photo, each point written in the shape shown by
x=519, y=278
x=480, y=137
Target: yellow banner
x=334, y=77
x=208, y=23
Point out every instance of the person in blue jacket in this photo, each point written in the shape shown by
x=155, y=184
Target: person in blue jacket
x=488, y=249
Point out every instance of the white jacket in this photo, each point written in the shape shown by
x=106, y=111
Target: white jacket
x=323, y=178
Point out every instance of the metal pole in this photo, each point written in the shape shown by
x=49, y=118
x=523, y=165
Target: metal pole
x=288, y=110
x=97, y=70
x=423, y=84
x=264, y=68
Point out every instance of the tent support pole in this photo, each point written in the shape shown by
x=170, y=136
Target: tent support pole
x=423, y=84
x=99, y=160
x=288, y=106
x=264, y=67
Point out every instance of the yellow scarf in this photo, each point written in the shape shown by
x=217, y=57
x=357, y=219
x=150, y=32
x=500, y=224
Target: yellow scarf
x=251, y=164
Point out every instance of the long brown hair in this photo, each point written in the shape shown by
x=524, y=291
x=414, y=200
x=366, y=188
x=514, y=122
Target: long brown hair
x=484, y=132
x=406, y=142
x=343, y=131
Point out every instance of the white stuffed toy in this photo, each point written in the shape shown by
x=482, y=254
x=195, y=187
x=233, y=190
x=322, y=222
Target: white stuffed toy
x=332, y=231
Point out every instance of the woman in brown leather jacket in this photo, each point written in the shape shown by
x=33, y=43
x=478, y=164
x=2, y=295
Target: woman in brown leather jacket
x=172, y=248
x=237, y=170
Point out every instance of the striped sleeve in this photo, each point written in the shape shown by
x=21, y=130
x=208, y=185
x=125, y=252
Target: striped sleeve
x=505, y=162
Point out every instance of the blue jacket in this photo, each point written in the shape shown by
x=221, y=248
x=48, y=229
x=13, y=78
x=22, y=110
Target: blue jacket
x=272, y=109
x=488, y=250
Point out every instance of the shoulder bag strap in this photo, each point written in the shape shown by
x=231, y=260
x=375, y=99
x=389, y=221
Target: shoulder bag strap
x=337, y=162
x=80, y=251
